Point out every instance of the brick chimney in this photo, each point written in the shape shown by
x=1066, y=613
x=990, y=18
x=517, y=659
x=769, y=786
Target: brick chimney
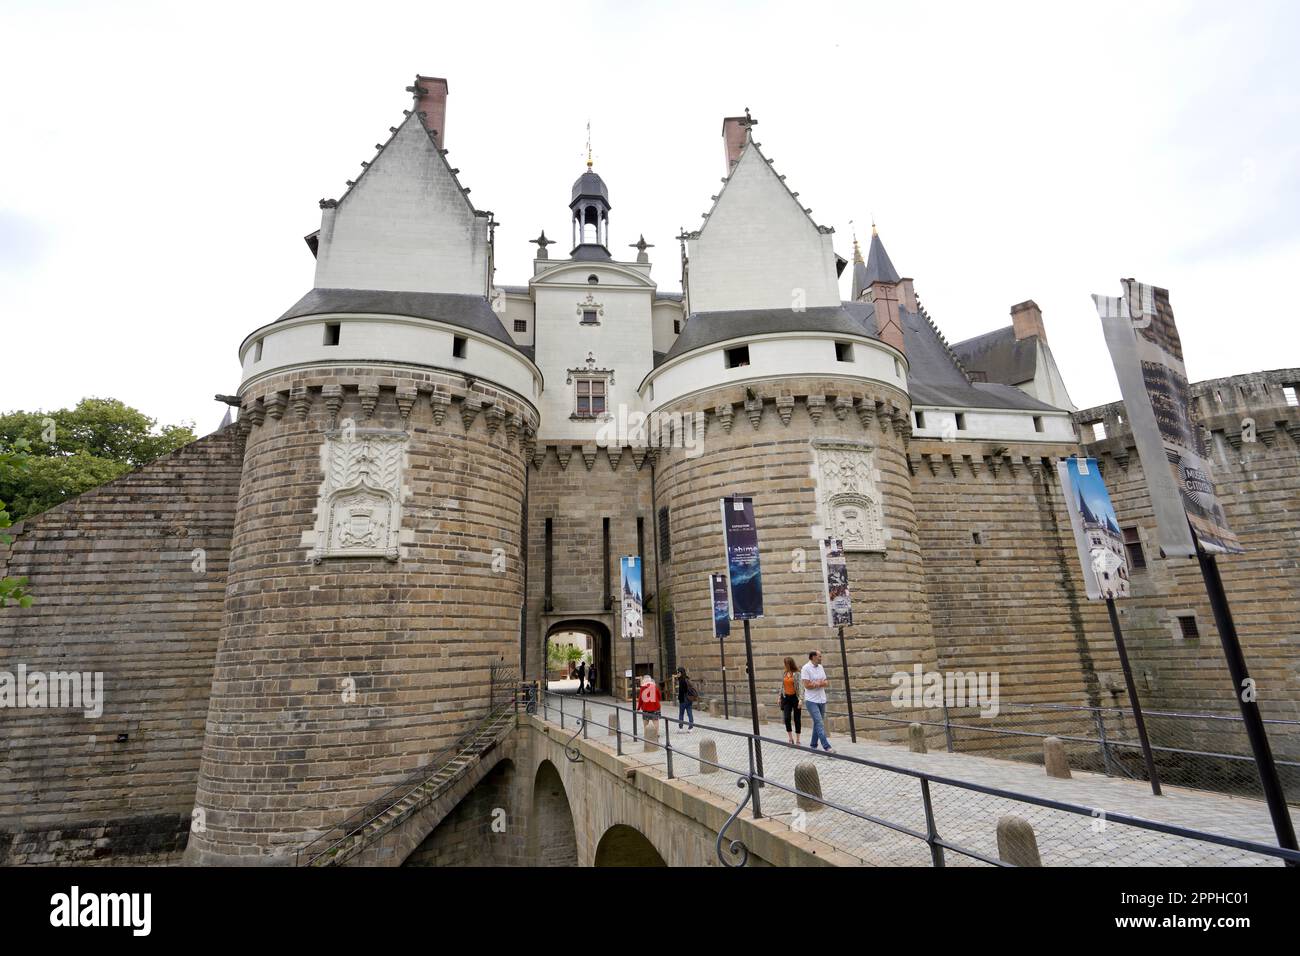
x=733, y=138
x=889, y=325
x=1027, y=320
x=431, y=100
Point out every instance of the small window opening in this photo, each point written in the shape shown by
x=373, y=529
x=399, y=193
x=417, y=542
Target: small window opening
x=521, y=325
x=677, y=326
x=961, y=422
x=738, y=357
x=332, y=333
x=1098, y=431
x=977, y=537
x=458, y=344
x=1288, y=392
x=257, y=351
x=593, y=279
x=844, y=351
x=1137, y=559
x=1038, y=423
x=1187, y=627
x=589, y=317
x=920, y=419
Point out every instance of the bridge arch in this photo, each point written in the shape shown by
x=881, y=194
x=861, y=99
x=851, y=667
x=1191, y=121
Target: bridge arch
x=552, y=839
x=482, y=830
x=598, y=642
x=623, y=845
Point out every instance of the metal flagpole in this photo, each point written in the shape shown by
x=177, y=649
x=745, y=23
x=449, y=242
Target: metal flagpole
x=722, y=653
x=1133, y=697
x=848, y=693
x=753, y=698
x=1243, y=690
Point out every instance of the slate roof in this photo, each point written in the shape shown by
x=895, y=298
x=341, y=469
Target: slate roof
x=709, y=328
x=590, y=184
x=935, y=377
x=464, y=311
x=1000, y=356
x=879, y=268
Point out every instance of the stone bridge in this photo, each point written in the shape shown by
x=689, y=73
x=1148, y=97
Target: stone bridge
x=526, y=804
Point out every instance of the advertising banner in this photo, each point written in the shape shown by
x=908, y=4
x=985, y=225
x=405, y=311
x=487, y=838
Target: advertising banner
x=744, y=578
x=630, y=573
x=1148, y=358
x=721, y=605
x=835, y=578
x=1096, y=529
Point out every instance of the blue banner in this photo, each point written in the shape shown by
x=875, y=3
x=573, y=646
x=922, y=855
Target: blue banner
x=721, y=605
x=744, y=578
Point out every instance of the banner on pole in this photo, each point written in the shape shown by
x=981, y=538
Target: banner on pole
x=721, y=606
x=1096, y=529
x=630, y=573
x=744, y=577
x=1148, y=358
x=835, y=579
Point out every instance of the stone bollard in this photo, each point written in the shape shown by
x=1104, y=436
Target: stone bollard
x=1016, y=842
x=1054, y=758
x=650, y=731
x=916, y=738
x=708, y=751
x=612, y=721
x=807, y=782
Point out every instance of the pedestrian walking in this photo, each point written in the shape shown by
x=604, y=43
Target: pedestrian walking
x=813, y=678
x=791, y=706
x=647, y=698
x=686, y=698
x=582, y=675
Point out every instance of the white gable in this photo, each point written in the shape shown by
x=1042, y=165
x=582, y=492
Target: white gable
x=406, y=225
x=758, y=249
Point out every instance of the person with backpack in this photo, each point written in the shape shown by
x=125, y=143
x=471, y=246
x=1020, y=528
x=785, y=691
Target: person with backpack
x=791, y=702
x=647, y=698
x=686, y=698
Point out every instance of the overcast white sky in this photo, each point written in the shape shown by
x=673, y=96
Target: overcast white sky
x=161, y=162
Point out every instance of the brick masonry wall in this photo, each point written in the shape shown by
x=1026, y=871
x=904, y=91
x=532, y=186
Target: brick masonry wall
x=774, y=462
x=1013, y=601
x=1258, y=483
x=471, y=835
x=288, y=752
x=113, y=575
x=577, y=493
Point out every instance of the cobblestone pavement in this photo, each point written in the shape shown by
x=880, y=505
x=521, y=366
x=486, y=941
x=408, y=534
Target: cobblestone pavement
x=962, y=817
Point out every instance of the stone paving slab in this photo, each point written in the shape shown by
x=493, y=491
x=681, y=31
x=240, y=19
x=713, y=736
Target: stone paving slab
x=962, y=817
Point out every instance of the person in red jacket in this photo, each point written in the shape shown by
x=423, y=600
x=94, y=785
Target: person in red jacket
x=647, y=698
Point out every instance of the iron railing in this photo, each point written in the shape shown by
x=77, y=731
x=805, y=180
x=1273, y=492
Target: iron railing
x=1198, y=751
x=507, y=697
x=896, y=815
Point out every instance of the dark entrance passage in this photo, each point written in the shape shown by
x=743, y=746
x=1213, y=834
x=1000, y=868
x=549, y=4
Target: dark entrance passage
x=626, y=846
x=596, y=638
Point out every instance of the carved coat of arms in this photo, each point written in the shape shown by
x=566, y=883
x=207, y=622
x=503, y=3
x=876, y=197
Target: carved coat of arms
x=848, y=495
x=359, y=512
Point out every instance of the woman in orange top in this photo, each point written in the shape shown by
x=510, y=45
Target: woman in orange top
x=790, y=707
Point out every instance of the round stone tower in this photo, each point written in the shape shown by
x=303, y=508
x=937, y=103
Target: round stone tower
x=808, y=414
x=376, y=572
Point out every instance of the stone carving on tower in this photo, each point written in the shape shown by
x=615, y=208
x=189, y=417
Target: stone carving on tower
x=848, y=496
x=359, y=511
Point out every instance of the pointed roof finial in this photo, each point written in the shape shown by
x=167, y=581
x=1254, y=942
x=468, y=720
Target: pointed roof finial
x=857, y=250
x=873, y=224
x=589, y=144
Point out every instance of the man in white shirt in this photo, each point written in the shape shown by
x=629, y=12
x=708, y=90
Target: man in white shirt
x=813, y=676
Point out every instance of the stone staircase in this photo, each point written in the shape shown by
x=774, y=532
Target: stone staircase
x=346, y=840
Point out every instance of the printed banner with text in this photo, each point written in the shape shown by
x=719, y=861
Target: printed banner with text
x=835, y=576
x=721, y=606
x=744, y=578
x=1148, y=358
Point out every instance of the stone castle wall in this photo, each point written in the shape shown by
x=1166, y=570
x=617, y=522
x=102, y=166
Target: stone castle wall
x=1255, y=442
x=760, y=442
x=119, y=589
x=335, y=679
x=577, y=487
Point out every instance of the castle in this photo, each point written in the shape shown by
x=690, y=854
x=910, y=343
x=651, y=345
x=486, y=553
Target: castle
x=430, y=475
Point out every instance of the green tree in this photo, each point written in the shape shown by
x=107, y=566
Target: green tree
x=75, y=449
x=12, y=461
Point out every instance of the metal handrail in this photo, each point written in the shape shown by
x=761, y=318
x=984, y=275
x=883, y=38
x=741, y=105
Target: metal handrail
x=390, y=798
x=1291, y=857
